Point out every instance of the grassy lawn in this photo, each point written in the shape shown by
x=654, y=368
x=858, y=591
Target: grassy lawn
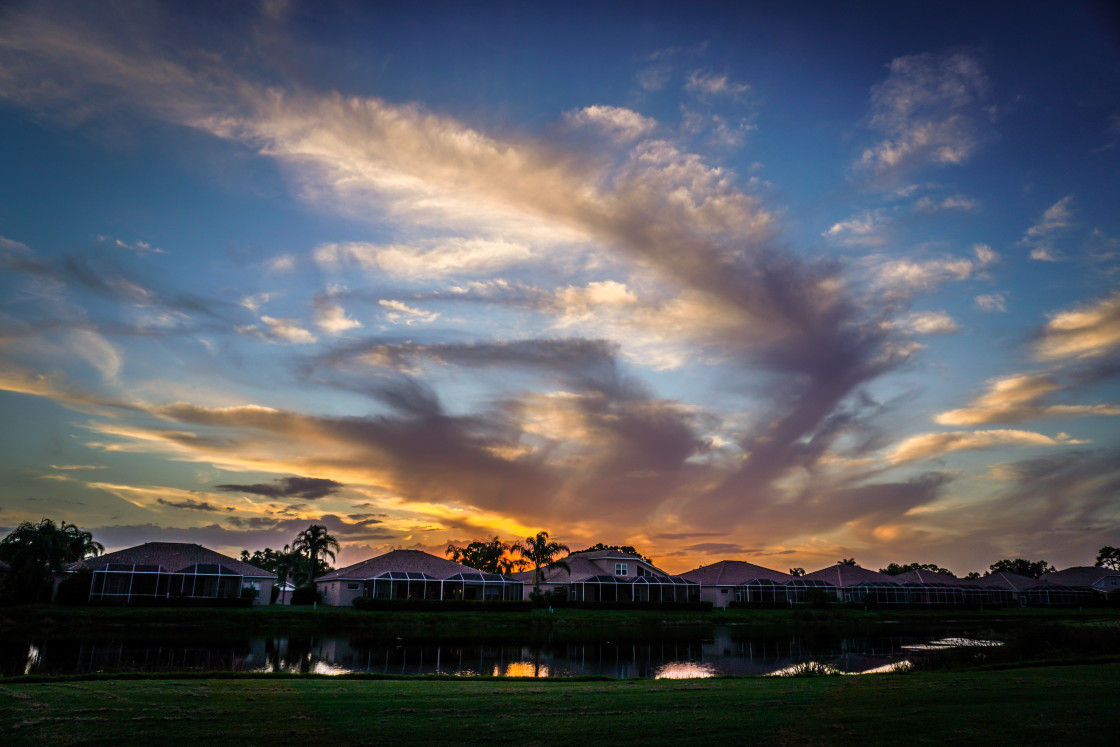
x=1043, y=705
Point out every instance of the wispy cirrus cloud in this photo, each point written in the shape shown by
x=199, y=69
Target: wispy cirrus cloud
x=1016, y=398
x=447, y=257
x=1091, y=331
x=1042, y=235
x=934, y=445
x=930, y=110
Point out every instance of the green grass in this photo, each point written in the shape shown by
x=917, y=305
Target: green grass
x=1052, y=705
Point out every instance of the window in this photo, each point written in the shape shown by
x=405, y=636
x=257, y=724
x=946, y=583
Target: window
x=353, y=586
x=723, y=591
x=251, y=590
x=621, y=569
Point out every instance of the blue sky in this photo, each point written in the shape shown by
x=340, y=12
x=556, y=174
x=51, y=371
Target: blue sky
x=776, y=282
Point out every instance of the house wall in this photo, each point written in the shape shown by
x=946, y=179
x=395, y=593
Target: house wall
x=632, y=564
x=341, y=593
x=266, y=584
x=719, y=596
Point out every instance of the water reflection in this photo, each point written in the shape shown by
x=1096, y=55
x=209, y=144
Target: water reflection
x=727, y=652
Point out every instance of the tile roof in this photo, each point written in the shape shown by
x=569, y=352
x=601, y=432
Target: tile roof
x=927, y=577
x=732, y=573
x=172, y=557
x=1082, y=575
x=415, y=561
x=581, y=564
x=1004, y=580
x=849, y=575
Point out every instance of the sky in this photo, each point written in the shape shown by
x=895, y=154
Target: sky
x=776, y=282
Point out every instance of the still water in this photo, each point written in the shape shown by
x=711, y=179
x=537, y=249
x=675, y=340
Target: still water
x=727, y=651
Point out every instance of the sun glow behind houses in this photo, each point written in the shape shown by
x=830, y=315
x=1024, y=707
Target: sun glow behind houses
x=711, y=281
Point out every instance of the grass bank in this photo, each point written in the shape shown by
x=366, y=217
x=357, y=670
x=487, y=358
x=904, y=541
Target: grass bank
x=561, y=624
x=1052, y=705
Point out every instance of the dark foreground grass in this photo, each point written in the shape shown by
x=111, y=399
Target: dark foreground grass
x=1044, y=705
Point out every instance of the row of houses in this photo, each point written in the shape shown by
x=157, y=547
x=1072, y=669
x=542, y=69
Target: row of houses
x=179, y=571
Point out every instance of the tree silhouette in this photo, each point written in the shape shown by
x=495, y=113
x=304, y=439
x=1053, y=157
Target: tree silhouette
x=848, y=561
x=316, y=544
x=542, y=554
x=1109, y=557
x=35, y=551
x=798, y=571
x=894, y=569
x=1028, y=568
x=488, y=556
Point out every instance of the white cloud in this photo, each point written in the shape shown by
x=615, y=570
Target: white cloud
x=1017, y=398
x=1087, y=332
x=281, y=263
x=864, y=229
x=1041, y=236
x=617, y=123
x=932, y=445
x=459, y=256
x=332, y=318
x=928, y=109
x=991, y=302
x=710, y=84
x=279, y=330
x=398, y=312
x=98, y=351
x=956, y=202
x=927, y=323
x=140, y=247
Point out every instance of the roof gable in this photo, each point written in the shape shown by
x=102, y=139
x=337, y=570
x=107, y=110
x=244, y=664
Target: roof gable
x=413, y=561
x=172, y=557
x=733, y=573
x=1081, y=575
x=849, y=575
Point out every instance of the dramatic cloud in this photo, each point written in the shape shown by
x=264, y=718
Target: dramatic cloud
x=193, y=505
x=305, y=488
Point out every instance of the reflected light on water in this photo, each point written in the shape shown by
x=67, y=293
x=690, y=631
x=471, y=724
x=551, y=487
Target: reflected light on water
x=33, y=657
x=522, y=669
x=684, y=670
x=322, y=667
x=944, y=643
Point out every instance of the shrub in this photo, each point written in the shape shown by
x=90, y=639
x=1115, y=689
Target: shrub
x=306, y=594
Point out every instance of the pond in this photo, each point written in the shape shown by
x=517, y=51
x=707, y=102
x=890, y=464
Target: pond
x=725, y=651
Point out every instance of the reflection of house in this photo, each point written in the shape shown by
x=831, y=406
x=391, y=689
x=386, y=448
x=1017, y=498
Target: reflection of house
x=412, y=574
x=172, y=571
x=733, y=581
x=613, y=576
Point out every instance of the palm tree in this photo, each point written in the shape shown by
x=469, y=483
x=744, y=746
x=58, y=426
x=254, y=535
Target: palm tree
x=542, y=554
x=35, y=551
x=316, y=543
x=848, y=561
